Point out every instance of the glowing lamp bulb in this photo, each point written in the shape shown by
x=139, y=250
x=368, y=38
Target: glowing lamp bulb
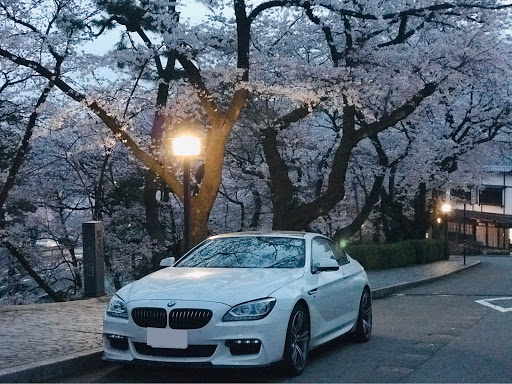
x=446, y=207
x=186, y=146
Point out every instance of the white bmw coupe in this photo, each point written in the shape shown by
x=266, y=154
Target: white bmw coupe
x=241, y=300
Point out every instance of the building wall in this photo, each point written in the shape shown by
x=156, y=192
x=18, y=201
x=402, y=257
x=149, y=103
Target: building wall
x=493, y=179
x=490, y=233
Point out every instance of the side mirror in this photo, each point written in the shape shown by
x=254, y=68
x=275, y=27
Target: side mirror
x=326, y=265
x=167, y=262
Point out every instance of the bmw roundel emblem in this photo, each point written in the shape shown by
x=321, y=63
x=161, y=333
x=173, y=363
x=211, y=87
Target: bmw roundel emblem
x=171, y=304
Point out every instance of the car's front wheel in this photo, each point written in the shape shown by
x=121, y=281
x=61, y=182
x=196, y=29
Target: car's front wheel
x=297, y=341
x=363, y=328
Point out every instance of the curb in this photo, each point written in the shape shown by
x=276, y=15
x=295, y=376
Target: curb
x=381, y=293
x=54, y=369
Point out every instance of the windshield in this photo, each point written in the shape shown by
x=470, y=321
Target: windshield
x=247, y=252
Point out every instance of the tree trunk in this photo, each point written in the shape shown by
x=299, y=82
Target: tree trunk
x=151, y=207
x=151, y=182
x=198, y=222
x=97, y=213
x=255, y=221
x=421, y=216
x=370, y=201
x=280, y=184
x=290, y=215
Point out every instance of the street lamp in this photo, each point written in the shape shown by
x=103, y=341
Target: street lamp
x=446, y=209
x=186, y=146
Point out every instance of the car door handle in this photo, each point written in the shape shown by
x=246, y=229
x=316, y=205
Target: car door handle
x=313, y=291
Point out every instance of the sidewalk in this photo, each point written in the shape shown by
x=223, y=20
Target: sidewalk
x=42, y=342
x=388, y=281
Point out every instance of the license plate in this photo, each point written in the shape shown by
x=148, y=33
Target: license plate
x=167, y=338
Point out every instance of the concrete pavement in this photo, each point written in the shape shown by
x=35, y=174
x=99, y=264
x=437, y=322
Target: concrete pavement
x=45, y=342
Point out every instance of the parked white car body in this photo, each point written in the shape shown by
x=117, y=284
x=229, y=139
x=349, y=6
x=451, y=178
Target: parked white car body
x=255, y=299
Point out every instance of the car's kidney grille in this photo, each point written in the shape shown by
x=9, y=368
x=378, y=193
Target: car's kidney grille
x=189, y=318
x=150, y=317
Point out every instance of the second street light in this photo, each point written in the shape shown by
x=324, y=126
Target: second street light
x=187, y=147
x=446, y=209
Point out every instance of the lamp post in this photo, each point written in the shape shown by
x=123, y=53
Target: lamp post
x=464, y=219
x=186, y=146
x=446, y=209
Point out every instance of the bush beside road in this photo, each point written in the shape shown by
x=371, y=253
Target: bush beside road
x=396, y=255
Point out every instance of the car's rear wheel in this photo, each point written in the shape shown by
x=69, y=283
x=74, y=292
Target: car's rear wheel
x=297, y=342
x=363, y=328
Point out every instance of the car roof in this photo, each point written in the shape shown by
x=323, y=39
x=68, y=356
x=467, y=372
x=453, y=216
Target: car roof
x=294, y=234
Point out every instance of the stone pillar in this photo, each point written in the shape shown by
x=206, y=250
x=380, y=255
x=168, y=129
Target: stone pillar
x=94, y=269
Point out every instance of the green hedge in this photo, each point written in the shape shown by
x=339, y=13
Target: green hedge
x=379, y=256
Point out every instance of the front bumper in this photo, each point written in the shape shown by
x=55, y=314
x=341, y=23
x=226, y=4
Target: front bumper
x=211, y=345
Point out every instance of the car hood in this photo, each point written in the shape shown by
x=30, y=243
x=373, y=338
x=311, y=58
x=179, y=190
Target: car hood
x=230, y=286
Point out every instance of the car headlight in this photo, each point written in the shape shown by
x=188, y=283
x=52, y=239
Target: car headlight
x=117, y=308
x=252, y=310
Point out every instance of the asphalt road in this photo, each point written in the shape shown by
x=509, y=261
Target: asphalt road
x=432, y=333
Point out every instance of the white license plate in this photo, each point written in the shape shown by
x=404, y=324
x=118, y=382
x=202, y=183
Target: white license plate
x=167, y=338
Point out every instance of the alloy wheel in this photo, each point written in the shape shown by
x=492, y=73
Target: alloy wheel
x=299, y=340
x=366, y=314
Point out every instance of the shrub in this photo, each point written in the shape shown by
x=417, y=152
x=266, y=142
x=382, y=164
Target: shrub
x=379, y=256
x=421, y=251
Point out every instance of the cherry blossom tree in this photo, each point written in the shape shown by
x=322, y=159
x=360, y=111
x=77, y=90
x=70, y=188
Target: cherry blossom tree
x=385, y=60
x=371, y=65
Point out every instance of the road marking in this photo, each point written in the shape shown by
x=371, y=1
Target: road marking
x=487, y=303
x=396, y=370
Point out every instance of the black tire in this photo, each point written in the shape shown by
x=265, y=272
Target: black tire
x=297, y=342
x=363, y=327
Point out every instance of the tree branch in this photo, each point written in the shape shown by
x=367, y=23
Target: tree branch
x=110, y=121
x=194, y=77
x=366, y=209
x=398, y=114
x=14, y=251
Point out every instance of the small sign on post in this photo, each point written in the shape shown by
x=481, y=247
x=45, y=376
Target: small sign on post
x=94, y=269
x=474, y=196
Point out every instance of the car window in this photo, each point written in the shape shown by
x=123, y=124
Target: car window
x=320, y=249
x=339, y=254
x=247, y=252
x=325, y=249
